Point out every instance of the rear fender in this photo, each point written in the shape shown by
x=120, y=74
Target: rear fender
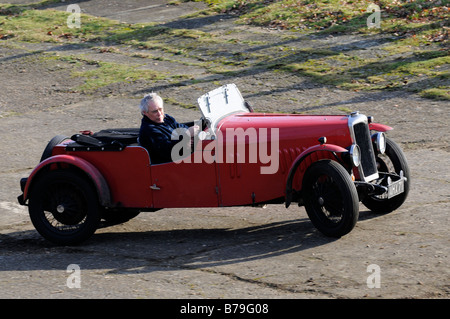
x=317, y=148
x=91, y=171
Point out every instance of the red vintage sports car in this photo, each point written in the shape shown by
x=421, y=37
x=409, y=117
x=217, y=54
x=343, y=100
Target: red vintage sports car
x=328, y=163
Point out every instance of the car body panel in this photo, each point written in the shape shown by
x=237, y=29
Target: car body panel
x=184, y=185
x=379, y=127
x=127, y=173
x=296, y=171
x=295, y=134
x=88, y=168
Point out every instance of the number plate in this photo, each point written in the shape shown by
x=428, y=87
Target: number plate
x=396, y=188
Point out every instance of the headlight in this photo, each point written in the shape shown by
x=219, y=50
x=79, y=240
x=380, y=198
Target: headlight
x=379, y=141
x=355, y=155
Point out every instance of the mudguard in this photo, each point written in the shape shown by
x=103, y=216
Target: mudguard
x=317, y=148
x=91, y=171
x=379, y=127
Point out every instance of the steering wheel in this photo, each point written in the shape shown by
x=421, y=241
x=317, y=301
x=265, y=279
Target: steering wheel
x=205, y=123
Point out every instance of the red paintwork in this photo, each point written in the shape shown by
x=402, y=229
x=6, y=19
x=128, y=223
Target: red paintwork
x=127, y=174
x=133, y=182
x=296, y=134
x=93, y=173
x=298, y=167
x=379, y=127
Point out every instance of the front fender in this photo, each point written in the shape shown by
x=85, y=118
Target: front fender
x=316, y=148
x=379, y=127
x=90, y=170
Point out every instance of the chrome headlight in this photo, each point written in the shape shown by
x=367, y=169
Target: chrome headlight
x=379, y=141
x=355, y=155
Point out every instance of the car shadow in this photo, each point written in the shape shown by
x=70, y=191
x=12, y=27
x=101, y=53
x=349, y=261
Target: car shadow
x=123, y=251
x=149, y=251
x=365, y=214
x=198, y=248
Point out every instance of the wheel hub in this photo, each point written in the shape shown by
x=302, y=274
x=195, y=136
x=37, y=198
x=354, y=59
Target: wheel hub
x=60, y=209
x=321, y=201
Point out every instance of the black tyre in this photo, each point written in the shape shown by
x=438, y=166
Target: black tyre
x=64, y=208
x=58, y=139
x=392, y=161
x=330, y=198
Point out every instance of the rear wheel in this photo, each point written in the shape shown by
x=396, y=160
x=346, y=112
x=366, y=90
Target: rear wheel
x=330, y=198
x=64, y=208
x=58, y=139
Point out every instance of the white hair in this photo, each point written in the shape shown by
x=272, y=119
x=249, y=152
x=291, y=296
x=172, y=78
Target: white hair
x=151, y=97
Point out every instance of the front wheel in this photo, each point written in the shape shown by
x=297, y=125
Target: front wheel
x=63, y=207
x=330, y=198
x=392, y=161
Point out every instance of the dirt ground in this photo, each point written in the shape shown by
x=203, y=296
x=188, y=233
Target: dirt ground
x=218, y=252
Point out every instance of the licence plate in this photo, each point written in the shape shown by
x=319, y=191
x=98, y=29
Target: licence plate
x=396, y=188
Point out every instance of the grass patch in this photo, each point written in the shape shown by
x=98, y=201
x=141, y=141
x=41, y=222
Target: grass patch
x=33, y=25
x=412, y=43
x=415, y=45
x=332, y=15
x=414, y=74
x=439, y=93
x=181, y=104
x=99, y=74
x=106, y=73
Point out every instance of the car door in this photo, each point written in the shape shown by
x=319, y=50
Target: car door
x=191, y=182
x=242, y=179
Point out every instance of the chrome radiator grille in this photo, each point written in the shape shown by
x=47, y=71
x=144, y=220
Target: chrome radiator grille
x=361, y=135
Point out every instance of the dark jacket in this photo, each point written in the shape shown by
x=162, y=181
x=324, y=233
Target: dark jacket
x=157, y=138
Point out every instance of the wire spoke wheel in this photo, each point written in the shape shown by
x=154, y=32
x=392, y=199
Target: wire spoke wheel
x=392, y=161
x=63, y=207
x=66, y=208
x=330, y=198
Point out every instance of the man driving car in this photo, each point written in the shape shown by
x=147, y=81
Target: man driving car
x=159, y=132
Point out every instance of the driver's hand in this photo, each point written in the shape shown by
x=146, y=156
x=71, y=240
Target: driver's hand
x=193, y=130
